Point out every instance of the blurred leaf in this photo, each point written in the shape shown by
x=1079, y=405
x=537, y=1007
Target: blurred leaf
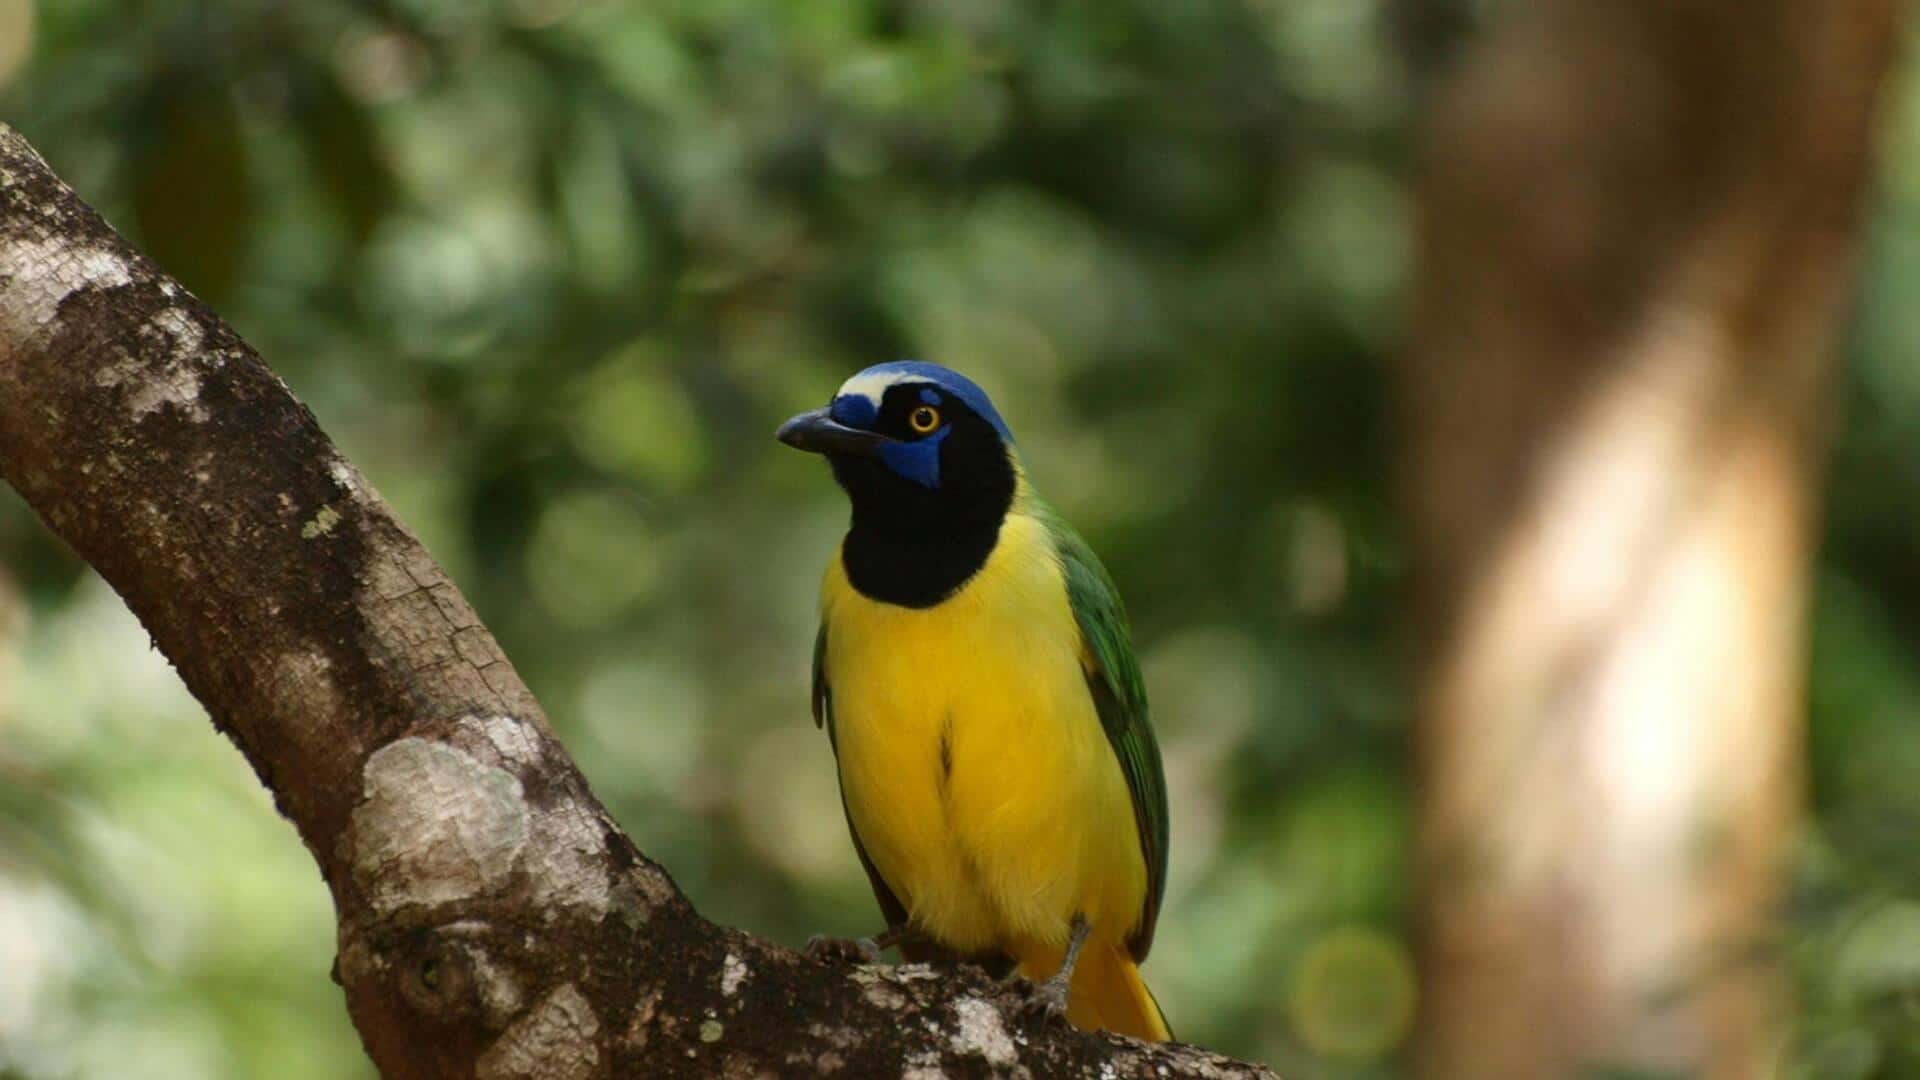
x=343, y=151
x=192, y=203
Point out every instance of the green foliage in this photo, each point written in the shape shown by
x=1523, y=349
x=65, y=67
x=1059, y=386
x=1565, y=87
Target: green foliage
x=552, y=270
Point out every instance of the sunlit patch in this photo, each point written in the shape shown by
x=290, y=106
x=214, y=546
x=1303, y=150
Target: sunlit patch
x=16, y=37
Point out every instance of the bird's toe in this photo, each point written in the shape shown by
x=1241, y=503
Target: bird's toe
x=835, y=950
x=1045, y=1000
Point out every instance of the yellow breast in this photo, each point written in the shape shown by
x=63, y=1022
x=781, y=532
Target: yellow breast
x=975, y=769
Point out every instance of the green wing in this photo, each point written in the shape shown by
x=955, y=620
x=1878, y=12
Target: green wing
x=1113, y=677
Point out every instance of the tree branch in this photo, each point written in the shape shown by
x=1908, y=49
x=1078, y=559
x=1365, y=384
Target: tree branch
x=493, y=920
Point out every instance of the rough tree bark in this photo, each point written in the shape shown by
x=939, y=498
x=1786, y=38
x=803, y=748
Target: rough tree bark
x=493, y=920
x=1639, y=220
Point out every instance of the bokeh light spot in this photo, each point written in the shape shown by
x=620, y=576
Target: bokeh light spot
x=592, y=558
x=1352, y=994
x=16, y=38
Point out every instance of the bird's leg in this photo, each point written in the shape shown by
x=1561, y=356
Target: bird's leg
x=1051, y=996
x=864, y=950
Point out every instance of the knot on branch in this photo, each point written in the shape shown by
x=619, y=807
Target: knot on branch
x=459, y=973
x=444, y=977
x=485, y=991
x=480, y=813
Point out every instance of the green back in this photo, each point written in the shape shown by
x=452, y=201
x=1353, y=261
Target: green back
x=1120, y=695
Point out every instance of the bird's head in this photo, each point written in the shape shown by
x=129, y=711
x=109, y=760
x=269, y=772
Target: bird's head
x=915, y=445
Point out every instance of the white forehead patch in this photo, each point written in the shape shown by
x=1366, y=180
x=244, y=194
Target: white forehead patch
x=873, y=385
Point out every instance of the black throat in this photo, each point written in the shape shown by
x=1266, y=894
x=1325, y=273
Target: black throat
x=914, y=570
x=916, y=548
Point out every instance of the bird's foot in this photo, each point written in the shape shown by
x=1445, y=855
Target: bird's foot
x=835, y=950
x=1047, y=999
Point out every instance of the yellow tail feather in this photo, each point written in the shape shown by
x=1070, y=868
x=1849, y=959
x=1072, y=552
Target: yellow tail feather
x=1108, y=993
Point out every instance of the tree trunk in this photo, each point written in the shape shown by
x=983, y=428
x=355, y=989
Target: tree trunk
x=1639, y=222
x=493, y=920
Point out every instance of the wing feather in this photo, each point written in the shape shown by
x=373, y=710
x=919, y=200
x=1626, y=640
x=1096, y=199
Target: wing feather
x=1120, y=696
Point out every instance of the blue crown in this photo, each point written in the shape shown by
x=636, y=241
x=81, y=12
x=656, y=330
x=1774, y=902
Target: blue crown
x=951, y=381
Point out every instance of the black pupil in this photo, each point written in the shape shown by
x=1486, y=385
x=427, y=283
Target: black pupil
x=923, y=417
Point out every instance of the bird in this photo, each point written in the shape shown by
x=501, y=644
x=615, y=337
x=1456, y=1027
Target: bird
x=975, y=675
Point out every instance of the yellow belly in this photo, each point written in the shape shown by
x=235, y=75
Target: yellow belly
x=975, y=769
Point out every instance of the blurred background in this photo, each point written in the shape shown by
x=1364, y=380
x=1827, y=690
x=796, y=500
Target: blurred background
x=551, y=271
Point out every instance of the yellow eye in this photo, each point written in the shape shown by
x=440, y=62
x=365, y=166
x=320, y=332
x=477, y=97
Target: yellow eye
x=924, y=419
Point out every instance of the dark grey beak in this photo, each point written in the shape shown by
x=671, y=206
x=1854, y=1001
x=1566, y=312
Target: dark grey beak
x=817, y=432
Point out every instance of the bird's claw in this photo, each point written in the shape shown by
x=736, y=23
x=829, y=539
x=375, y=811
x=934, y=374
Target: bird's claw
x=835, y=950
x=1046, y=1000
